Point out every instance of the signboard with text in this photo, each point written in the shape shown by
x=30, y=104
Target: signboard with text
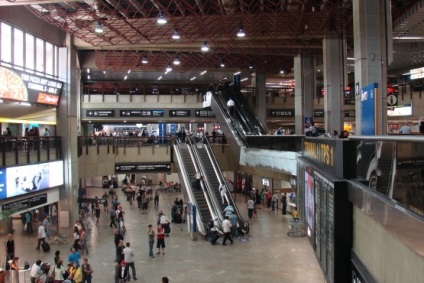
x=142, y=167
x=141, y=113
x=25, y=203
x=281, y=112
x=368, y=98
x=179, y=113
x=204, y=113
x=100, y=113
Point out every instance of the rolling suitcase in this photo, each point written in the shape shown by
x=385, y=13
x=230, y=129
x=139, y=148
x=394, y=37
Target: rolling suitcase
x=45, y=246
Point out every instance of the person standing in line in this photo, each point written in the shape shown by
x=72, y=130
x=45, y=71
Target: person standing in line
x=156, y=199
x=28, y=223
x=105, y=197
x=76, y=237
x=231, y=106
x=41, y=235
x=160, y=236
x=112, y=215
x=122, y=272
x=250, y=207
x=9, y=248
x=120, y=251
x=58, y=271
x=87, y=270
x=36, y=271
x=129, y=259
x=222, y=190
x=273, y=201
x=97, y=210
x=284, y=204
x=226, y=226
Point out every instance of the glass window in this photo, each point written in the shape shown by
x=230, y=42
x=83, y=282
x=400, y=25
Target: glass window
x=29, y=52
x=49, y=58
x=18, y=48
x=6, y=44
x=39, y=51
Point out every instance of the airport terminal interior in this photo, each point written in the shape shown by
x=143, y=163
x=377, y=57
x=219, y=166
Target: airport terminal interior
x=298, y=123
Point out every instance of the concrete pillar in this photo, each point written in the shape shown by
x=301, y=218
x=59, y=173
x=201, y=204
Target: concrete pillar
x=67, y=128
x=304, y=76
x=370, y=45
x=334, y=62
x=260, y=97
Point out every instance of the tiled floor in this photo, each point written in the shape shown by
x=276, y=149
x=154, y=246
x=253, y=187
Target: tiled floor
x=269, y=256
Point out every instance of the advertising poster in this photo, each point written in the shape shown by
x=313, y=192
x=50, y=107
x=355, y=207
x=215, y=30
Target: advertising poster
x=162, y=129
x=368, y=109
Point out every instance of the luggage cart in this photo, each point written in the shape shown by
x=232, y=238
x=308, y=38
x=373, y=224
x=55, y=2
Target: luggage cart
x=296, y=229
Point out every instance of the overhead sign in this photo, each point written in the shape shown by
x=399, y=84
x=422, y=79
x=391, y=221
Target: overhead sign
x=204, y=113
x=318, y=113
x=142, y=167
x=21, y=86
x=281, y=112
x=179, y=113
x=349, y=113
x=417, y=73
x=141, y=113
x=25, y=203
x=100, y=113
x=92, y=200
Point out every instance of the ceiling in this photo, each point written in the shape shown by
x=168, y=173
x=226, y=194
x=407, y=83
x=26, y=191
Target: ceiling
x=276, y=31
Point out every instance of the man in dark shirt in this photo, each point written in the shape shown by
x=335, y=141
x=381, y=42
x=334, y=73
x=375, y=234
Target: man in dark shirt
x=10, y=248
x=118, y=237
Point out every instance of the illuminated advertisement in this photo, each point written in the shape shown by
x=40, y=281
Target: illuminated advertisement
x=309, y=199
x=400, y=110
x=15, y=181
x=21, y=86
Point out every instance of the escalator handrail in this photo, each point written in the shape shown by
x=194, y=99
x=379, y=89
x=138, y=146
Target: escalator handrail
x=240, y=99
x=211, y=201
x=221, y=178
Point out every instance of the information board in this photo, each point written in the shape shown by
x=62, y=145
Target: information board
x=26, y=203
x=142, y=167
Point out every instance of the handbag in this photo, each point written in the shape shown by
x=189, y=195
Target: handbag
x=50, y=278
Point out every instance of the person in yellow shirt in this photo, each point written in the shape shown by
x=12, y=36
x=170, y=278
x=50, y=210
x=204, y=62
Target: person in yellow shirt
x=295, y=214
x=75, y=273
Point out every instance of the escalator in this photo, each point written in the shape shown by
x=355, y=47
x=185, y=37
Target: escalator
x=188, y=165
x=213, y=177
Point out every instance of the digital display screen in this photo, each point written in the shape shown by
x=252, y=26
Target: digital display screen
x=21, y=86
x=15, y=181
x=400, y=110
x=309, y=199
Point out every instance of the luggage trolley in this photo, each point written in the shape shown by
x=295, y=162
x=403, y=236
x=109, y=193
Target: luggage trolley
x=296, y=229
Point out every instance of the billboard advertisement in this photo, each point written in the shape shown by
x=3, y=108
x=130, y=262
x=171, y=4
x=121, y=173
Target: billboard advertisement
x=20, y=180
x=21, y=86
x=368, y=100
x=309, y=198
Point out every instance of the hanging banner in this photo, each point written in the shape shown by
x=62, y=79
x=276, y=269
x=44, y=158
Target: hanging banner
x=368, y=98
x=162, y=129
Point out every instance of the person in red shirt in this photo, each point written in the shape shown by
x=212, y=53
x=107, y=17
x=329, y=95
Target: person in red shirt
x=160, y=236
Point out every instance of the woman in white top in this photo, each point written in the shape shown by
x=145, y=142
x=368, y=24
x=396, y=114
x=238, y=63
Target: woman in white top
x=57, y=271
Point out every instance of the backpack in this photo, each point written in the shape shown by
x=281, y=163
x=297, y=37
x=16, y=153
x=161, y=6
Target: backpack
x=211, y=224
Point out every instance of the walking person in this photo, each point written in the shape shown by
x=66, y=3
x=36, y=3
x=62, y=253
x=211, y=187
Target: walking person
x=160, y=236
x=112, y=215
x=97, y=210
x=250, y=208
x=156, y=199
x=213, y=225
x=151, y=235
x=129, y=259
x=10, y=249
x=231, y=106
x=41, y=235
x=273, y=201
x=226, y=226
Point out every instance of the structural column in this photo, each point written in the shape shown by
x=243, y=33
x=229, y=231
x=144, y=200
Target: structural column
x=370, y=45
x=334, y=80
x=68, y=128
x=260, y=97
x=304, y=76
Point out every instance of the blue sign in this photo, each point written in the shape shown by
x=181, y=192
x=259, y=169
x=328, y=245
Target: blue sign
x=308, y=122
x=162, y=129
x=173, y=128
x=368, y=109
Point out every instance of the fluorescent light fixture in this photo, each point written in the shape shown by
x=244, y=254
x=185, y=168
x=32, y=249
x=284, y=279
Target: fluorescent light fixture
x=88, y=77
x=237, y=73
x=125, y=78
x=144, y=60
x=161, y=20
x=139, y=125
x=193, y=78
x=350, y=58
x=24, y=104
x=88, y=70
x=202, y=73
x=159, y=78
x=205, y=47
x=244, y=79
x=406, y=74
x=176, y=61
x=222, y=63
x=241, y=32
x=409, y=37
x=104, y=72
x=98, y=28
x=168, y=68
x=129, y=71
x=176, y=34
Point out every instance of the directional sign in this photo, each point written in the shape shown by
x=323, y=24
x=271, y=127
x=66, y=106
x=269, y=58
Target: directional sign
x=179, y=113
x=281, y=112
x=100, y=113
x=318, y=113
x=141, y=113
x=26, y=203
x=142, y=167
x=204, y=113
x=392, y=99
x=92, y=200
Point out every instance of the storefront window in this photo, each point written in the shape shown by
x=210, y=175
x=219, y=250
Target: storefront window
x=18, y=48
x=39, y=51
x=29, y=52
x=6, y=44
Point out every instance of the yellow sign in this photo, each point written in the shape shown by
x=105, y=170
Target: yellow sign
x=323, y=153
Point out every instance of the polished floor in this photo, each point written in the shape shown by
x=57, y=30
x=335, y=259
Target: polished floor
x=269, y=255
